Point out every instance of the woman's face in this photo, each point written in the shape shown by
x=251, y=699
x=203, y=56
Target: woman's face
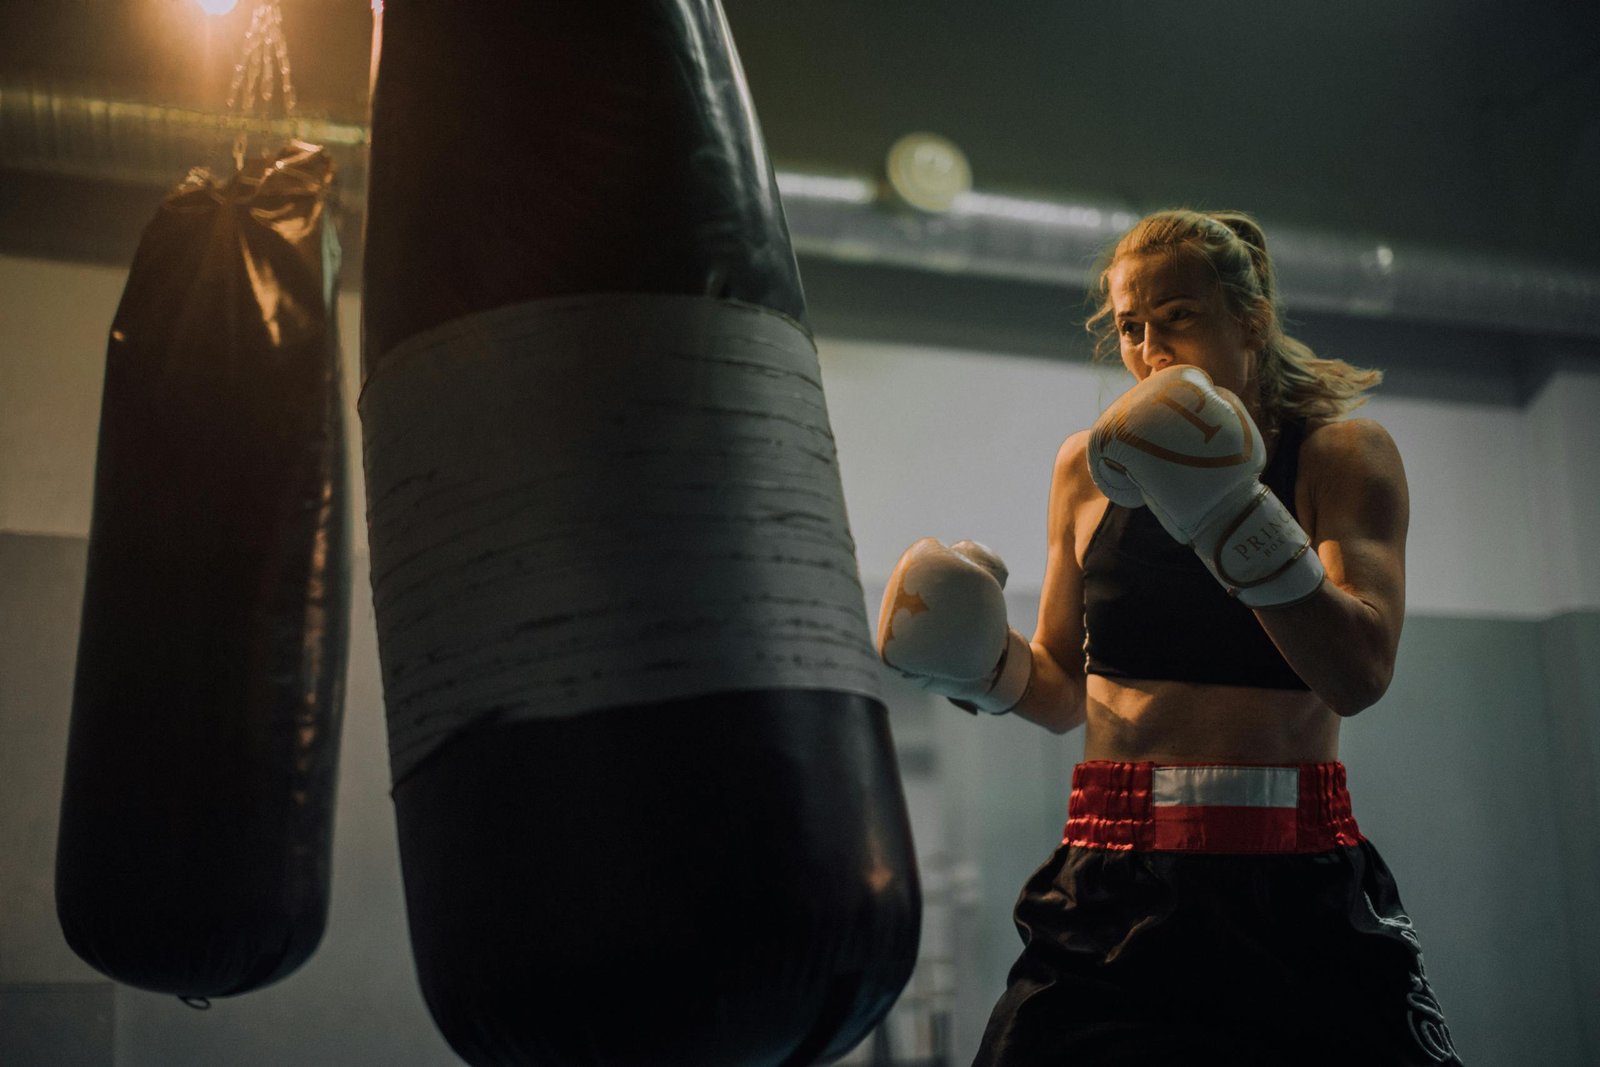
x=1169, y=310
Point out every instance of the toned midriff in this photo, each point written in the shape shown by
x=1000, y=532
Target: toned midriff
x=1183, y=722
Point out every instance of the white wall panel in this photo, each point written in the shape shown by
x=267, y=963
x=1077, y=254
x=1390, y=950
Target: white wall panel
x=54, y=318
x=936, y=442
x=1468, y=549
x=1562, y=433
x=945, y=444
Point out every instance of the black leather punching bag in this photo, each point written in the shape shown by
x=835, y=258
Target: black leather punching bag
x=647, y=802
x=196, y=817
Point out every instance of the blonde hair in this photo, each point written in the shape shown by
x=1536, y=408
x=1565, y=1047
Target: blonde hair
x=1293, y=379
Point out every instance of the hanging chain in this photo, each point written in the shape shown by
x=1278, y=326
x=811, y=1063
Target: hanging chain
x=263, y=61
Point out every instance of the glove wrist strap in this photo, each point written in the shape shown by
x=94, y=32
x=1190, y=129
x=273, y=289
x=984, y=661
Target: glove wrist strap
x=1012, y=675
x=1262, y=555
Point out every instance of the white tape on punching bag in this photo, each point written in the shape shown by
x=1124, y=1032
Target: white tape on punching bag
x=588, y=502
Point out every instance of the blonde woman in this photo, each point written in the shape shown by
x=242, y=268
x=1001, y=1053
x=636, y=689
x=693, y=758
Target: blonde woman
x=1225, y=583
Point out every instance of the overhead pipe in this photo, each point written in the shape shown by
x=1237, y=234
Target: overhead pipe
x=855, y=219
x=1058, y=243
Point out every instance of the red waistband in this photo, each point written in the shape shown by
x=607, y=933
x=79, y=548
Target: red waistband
x=1151, y=807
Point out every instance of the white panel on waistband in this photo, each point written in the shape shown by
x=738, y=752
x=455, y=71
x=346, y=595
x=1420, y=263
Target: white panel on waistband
x=1242, y=787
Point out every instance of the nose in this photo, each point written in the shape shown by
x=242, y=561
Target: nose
x=1153, y=348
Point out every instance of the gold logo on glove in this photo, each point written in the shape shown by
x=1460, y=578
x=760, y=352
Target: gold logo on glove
x=911, y=603
x=1207, y=430
x=1167, y=398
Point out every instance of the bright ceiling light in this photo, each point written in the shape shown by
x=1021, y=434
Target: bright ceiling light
x=217, y=7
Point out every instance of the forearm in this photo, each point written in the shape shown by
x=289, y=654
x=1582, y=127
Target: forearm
x=1338, y=643
x=1055, y=695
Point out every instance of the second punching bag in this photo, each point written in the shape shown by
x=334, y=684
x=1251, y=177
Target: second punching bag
x=197, y=812
x=647, y=800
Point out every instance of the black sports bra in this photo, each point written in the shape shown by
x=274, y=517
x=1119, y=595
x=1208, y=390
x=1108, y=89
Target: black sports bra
x=1151, y=609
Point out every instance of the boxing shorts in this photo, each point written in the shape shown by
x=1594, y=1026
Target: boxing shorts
x=1214, y=914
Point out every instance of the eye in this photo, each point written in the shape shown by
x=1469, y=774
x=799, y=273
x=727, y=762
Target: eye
x=1129, y=328
x=1179, y=314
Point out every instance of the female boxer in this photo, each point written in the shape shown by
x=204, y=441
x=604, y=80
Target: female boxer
x=1225, y=582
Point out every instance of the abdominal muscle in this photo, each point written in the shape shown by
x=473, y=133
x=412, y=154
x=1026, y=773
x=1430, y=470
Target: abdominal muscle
x=1131, y=720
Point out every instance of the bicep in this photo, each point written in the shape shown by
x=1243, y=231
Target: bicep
x=1055, y=694
x=1343, y=639
x=1060, y=627
x=1361, y=513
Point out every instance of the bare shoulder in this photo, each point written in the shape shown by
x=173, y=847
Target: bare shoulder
x=1076, y=503
x=1342, y=449
x=1352, y=467
x=1072, y=466
x=1349, y=440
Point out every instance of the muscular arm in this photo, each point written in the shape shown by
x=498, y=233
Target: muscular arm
x=1055, y=697
x=1353, y=501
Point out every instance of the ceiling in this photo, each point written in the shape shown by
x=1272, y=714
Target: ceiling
x=1454, y=124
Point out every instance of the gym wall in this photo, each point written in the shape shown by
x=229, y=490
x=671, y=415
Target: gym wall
x=1475, y=775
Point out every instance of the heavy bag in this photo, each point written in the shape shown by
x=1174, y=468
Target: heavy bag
x=647, y=801
x=197, y=811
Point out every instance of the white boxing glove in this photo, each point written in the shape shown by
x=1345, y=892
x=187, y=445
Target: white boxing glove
x=1190, y=451
x=943, y=626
